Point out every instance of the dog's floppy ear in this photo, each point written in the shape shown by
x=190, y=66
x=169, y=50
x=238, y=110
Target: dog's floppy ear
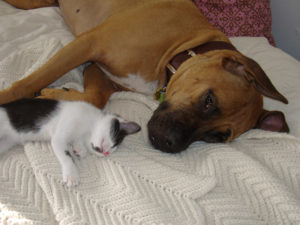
x=272, y=121
x=248, y=68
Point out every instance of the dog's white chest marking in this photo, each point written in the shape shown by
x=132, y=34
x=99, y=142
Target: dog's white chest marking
x=134, y=82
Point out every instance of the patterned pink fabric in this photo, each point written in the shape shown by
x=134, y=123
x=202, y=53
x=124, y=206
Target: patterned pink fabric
x=239, y=17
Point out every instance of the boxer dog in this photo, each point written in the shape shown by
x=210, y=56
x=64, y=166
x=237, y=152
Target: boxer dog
x=211, y=91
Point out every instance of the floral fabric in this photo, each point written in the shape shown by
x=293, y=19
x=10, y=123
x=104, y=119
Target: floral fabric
x=239, y=17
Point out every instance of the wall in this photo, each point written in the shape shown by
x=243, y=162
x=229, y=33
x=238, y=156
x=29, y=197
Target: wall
x=286, y=25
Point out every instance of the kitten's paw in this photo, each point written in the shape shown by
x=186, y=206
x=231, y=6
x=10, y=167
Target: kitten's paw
x=80, y=153
x=71, y=177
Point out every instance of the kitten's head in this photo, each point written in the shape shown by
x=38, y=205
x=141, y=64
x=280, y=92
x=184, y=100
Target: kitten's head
x=109, y=132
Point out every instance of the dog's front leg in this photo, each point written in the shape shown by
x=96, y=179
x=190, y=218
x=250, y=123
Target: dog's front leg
x=97, y=89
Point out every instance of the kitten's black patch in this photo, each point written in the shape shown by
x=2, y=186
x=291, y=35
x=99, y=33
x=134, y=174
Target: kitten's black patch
x=117, y=134
x=25, y=114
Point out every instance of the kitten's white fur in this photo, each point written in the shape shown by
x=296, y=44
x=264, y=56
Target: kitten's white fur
x=78, y=124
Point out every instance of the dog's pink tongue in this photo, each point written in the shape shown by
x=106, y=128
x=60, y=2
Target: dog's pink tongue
x=106, y=153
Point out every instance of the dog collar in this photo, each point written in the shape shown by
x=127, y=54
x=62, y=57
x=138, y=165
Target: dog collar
x=178, y=59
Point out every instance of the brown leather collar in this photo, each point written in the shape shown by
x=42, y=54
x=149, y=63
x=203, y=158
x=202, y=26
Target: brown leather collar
x=178, y=59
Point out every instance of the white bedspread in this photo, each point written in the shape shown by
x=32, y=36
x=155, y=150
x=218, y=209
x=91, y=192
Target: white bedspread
x=253, y=180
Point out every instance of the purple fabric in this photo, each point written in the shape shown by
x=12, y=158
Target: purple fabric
x=239, y=17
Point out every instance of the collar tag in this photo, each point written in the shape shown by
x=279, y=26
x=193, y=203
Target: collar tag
x=171, y=68
x=160, y=94
x=191, y=53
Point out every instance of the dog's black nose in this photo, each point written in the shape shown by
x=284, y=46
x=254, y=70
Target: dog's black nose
x=165, y=144
x=169, y=141
x=170, y=131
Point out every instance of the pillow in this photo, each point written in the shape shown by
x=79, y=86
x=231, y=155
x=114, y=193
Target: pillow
x=239, y=17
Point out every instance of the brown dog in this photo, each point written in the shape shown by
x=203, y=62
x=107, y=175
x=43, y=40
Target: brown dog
x=215, y=93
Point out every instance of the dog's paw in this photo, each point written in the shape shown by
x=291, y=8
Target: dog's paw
x=71, y=176
x=61, y=94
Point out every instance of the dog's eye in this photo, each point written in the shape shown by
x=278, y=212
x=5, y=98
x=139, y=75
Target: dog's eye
x=208, y=104
x=209, y=101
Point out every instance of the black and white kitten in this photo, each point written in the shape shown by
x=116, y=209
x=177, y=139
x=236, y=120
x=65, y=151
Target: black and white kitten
x=77, y=124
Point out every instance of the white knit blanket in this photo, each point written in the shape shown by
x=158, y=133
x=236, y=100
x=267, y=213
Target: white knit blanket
x=254, y=180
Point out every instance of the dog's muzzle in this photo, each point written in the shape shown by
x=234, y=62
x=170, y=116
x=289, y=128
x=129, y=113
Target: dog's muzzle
x=170, y=131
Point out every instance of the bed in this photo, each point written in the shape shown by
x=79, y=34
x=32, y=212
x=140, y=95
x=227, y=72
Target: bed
x=252, y=180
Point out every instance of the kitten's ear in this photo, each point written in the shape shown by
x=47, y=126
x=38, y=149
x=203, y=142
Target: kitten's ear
x=130, y=127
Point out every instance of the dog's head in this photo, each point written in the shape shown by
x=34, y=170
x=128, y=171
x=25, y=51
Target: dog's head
x=214, y=98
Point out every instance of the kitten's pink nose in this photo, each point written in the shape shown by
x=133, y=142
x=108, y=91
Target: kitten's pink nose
x=105, y=153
